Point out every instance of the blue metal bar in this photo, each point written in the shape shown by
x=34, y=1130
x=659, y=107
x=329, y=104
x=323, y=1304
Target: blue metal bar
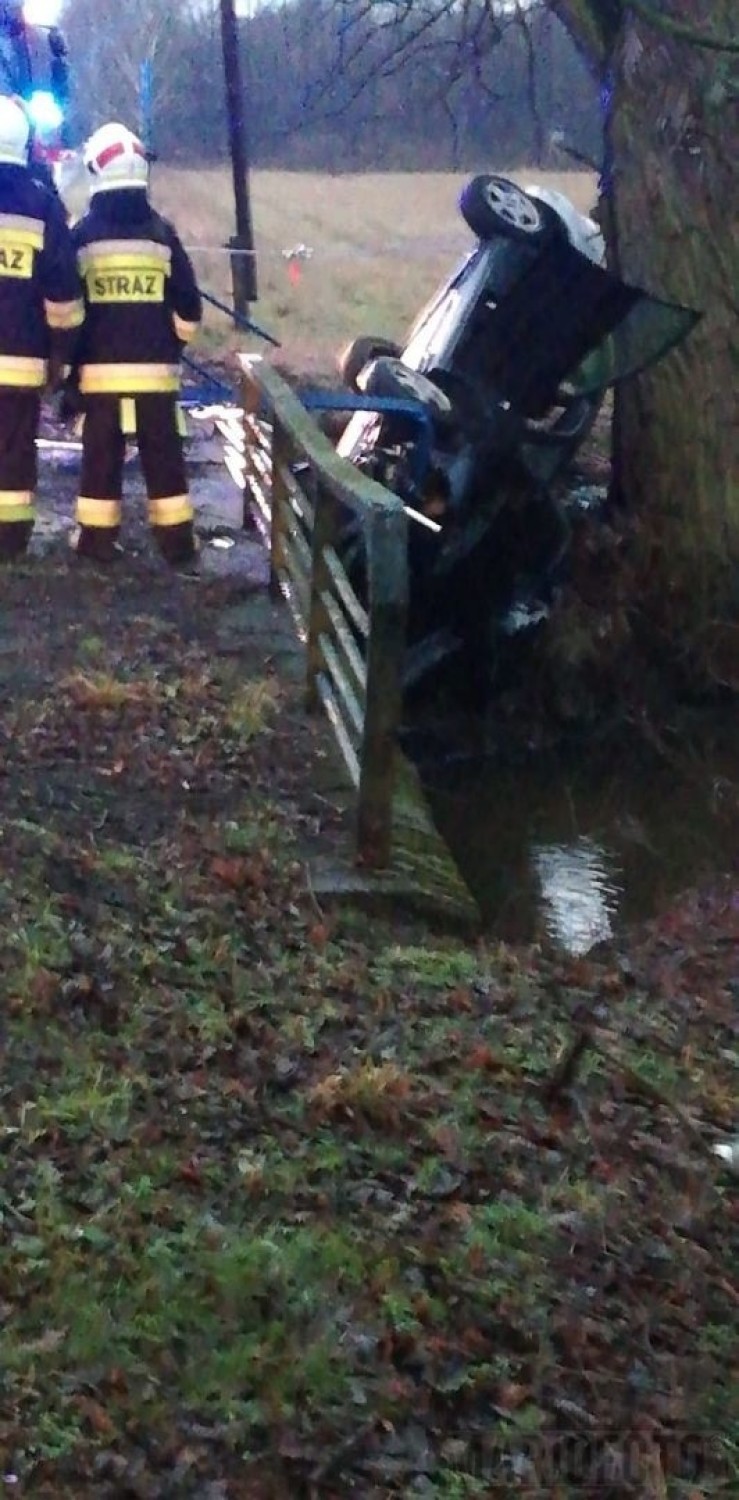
x=241, y=322
x=207, y=379
x=399, y=405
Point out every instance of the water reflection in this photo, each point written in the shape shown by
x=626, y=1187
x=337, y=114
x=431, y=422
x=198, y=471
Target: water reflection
x=578, y=846
x=580, y=893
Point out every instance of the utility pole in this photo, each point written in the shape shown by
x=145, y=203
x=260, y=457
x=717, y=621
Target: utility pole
x=241, y=245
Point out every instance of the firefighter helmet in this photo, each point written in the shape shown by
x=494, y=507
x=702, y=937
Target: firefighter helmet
x=15, y=131
x=116, y=158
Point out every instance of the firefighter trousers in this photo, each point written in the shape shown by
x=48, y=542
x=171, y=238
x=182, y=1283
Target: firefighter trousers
x=155, y=421
x=19, y=419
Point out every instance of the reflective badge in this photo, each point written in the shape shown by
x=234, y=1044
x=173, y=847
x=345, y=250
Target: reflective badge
x=126, y=284
x=15, y=259
x=128, y=416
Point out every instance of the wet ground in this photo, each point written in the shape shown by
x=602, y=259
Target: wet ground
x=227, y=551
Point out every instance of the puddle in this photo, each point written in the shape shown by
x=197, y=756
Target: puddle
x=579, y=890
x=579, y=848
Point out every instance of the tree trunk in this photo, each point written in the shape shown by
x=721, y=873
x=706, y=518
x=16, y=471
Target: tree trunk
x=674, y=148
x=675, y=144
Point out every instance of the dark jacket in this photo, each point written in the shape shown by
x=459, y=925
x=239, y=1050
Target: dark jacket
x=142, y=299
x=41, y=306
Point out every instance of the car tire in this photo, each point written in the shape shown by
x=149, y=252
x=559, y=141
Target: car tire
x=359, y=353
x=390, y=377
x=492, y=206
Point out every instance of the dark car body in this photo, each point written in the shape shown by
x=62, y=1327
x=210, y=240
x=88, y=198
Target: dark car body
x=502, y=375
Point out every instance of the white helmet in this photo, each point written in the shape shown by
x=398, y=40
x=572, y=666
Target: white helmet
x=582, y=232
x=116, y=158
x=15, y=131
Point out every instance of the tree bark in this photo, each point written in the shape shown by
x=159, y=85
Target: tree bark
x=671, y=209
x=675, y=155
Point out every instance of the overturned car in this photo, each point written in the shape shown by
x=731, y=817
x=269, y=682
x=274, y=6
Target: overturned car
x=481, y=410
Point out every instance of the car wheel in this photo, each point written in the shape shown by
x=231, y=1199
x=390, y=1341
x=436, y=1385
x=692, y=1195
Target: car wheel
x=493, y=206
x=359, y=353
x=390, y=377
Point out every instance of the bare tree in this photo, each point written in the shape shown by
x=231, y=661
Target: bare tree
x=111, y=43
x=670, y=79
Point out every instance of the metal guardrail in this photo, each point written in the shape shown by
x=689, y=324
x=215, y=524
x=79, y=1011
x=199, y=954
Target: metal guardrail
x=300, y=494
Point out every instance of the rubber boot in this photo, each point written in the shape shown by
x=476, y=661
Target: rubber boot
x=176, y=543
x=97, y=543
x=14, y=539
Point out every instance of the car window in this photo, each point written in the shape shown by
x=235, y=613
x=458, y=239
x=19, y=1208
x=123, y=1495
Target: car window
x=647, y=332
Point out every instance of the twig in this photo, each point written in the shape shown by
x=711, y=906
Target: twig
x=584, y=1116
x=731, y=1291
x=312, y=894
x=338, y=1458
x=656, y=1095
x=565, y=1071
x=573, y=1412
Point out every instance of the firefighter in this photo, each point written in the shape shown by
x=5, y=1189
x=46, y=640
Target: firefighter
x=142, y=307
x=41, y=310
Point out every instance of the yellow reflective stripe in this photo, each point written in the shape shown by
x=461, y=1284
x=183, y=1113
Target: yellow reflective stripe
x=181, y=420
x=127, y=250
x=16, y=369
x=65, y=314
x=128, y=379
x=128, y=415
x=184, y=330
x=171, y=511
x=16, y=505
x=22, y=225
x=134, y=263
x=16, y=260
x=98, y=512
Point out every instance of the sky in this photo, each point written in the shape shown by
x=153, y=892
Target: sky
x=42, y=12
x=47, y=12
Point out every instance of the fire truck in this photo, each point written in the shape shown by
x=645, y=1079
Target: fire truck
x=34, y=65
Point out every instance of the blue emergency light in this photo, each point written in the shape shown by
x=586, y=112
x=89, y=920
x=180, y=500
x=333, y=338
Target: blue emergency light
x=41, y=12
x=45, y=111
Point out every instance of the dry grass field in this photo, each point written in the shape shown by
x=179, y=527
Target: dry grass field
x=380, y=242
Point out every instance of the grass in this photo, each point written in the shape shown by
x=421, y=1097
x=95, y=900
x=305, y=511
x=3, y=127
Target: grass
x=380, y=243
x=267, y=1186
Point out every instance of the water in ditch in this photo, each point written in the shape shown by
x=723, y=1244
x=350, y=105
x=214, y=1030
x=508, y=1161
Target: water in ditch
x=579, y=846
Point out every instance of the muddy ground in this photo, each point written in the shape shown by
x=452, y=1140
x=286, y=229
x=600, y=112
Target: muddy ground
x=298, y=1203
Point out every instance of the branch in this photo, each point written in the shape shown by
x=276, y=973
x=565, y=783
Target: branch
x=592, y=26
x=408, y=35
x=680, y=29
x=528, y=42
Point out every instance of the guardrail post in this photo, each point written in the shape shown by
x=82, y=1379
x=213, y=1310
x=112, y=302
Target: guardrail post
x=280, y=493
x=251, y=401
x=387, y=543
x=325, y=530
